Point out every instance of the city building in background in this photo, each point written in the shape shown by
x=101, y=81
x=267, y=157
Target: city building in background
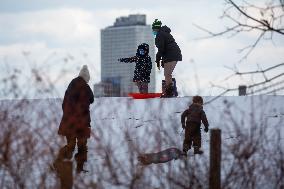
x=121, y=41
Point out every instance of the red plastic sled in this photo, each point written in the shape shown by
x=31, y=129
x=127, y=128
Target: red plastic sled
x=144, y=96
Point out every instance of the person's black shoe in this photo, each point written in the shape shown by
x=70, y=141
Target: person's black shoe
x=198, y=151
x=169, y=91
x=163, y=95
x=184, y=152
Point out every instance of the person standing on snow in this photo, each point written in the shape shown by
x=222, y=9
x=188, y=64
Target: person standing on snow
x=143, y=67
x=168, y=51
x=75, y=122
x=191, y=122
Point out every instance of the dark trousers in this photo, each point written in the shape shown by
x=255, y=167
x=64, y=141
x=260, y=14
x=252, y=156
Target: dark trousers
x=67, y=150
x=64, y=168
x=142, y=86
x=192, y=136
x=81, y=155
x=81, y=143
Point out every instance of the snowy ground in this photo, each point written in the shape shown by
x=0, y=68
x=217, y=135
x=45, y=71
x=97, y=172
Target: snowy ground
x=120, y=125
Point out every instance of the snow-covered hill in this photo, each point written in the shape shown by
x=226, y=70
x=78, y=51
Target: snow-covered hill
x=123, y=127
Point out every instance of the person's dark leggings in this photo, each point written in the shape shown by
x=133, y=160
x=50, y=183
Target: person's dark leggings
x=81, y=143
x=142, y=87
x=81, y=155
x=192, y=136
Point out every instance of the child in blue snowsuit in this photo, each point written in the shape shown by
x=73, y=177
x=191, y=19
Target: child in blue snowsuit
x=143, y=67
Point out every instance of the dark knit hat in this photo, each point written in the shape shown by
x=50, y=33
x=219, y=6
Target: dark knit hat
x=157, y=24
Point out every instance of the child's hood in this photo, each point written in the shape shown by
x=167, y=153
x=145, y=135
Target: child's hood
x=145, y=47
x=165, y=29
x=196, y=106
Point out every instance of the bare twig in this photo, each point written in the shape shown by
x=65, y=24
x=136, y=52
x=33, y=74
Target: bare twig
x=248, y=23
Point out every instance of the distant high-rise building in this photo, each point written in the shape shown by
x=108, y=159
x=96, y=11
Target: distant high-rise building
x=120, y=41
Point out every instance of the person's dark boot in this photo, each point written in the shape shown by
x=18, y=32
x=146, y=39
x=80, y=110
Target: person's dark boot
x=197, y=150
x=65, y=153
x=169, y=91
x=140, y=89
x=144, y=88
x=184, y=152
x=81, y=158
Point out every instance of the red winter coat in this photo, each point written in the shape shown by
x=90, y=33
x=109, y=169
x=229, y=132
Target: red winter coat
x=76, y=119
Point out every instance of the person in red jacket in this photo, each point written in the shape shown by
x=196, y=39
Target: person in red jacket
x=191, y=122
x=75, y=122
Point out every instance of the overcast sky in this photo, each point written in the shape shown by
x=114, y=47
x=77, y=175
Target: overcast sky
x=53, y=32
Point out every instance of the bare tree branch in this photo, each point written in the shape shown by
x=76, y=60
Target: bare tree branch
x=260, y=71
x=267, y=87
x=245, y=22
x=251, y=47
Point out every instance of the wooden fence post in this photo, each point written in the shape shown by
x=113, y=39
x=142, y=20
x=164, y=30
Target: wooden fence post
x=215, y=159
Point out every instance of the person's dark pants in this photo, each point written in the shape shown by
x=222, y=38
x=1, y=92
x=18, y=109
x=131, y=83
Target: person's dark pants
x=81, y=155
x=142, y=86
x=67, y=150
x=81, y=143
x=192, y=136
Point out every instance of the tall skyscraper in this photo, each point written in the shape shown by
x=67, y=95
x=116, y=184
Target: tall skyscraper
x=120, y=41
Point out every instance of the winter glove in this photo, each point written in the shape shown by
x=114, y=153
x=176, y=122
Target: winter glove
x=163, y=64
x=158, y=64
x=206, y=129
